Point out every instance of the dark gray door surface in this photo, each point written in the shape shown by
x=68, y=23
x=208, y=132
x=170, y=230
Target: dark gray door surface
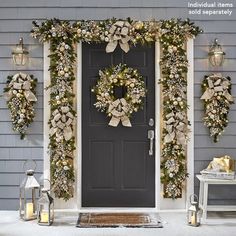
x=117, y=170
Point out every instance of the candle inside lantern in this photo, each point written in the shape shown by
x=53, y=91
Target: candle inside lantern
x=44, y=217
x=29, y=210
x=193, y=220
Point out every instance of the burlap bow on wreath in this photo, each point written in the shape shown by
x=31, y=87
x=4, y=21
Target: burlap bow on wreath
x=119, y=109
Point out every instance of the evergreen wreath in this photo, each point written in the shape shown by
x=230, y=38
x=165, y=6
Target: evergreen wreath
x=20, y=95
x=119, y=109
x=217, y=100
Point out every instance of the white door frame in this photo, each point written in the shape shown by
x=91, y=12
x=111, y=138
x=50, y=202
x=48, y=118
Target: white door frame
x=161, y=203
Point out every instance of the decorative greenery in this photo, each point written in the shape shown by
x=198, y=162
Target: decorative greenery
x=217, y=99
x=20, y=94
x=173, y=35
x=119, y=109
x=61, y=122
x=174, y=66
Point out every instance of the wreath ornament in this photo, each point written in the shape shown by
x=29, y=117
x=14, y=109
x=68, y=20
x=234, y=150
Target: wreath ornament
x=119, y=109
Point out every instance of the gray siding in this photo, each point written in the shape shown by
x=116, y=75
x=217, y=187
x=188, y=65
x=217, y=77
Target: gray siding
x=15, y=22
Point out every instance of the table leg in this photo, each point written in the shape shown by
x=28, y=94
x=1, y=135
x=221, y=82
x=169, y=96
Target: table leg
x=205, y=198
x=201, y=194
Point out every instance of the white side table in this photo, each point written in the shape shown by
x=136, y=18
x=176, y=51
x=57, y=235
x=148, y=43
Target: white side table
x=203, y=195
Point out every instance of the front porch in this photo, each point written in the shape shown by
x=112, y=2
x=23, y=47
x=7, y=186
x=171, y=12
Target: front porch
x=174, y=224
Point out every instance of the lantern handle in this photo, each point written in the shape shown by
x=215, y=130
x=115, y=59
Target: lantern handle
x=42, y=181
x=193, y=196
x=30, y=160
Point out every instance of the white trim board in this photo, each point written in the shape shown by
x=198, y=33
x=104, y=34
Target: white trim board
x=46, y=113
x=190, y=99
x=161, y=204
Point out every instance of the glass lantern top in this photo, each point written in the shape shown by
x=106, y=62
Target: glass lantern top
x=45, y=198
x=29, y=181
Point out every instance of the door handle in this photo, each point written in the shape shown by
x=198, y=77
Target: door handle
x=151, y=136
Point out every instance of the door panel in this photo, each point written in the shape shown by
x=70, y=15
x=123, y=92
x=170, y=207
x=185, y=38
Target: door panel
x=117, y=170
x=101, y=152
x=134, y=164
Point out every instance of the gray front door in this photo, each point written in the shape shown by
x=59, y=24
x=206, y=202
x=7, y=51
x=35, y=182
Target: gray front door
x=117, y=170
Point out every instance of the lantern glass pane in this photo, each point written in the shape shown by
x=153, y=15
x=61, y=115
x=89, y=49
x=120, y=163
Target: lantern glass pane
x=45, y=210
x=217, y=59
x=194, y=218
x=28, y=208
x=43, y=214
x=52, y=212
x=19, y=59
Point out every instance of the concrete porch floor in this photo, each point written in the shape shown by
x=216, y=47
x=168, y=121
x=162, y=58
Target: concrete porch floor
x=174, y=224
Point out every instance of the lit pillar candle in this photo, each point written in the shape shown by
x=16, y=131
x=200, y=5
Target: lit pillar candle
x=29, y=210
x=44, y=217
x=193, y=220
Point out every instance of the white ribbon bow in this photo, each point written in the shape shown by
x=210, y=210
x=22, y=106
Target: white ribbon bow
x=118, y=109
x=119, y=33
x=18, y=84
x=221, y=85
x=62, y=123
x=175, y=128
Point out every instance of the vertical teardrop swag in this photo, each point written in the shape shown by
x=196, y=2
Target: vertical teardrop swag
x=20, y=94
x=172, y=34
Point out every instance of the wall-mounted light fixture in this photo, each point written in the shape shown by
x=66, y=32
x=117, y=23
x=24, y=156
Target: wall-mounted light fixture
x=20, y=54
x=216, y=54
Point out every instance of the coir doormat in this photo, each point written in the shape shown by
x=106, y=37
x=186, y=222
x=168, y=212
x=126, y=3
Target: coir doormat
x=110, y=220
